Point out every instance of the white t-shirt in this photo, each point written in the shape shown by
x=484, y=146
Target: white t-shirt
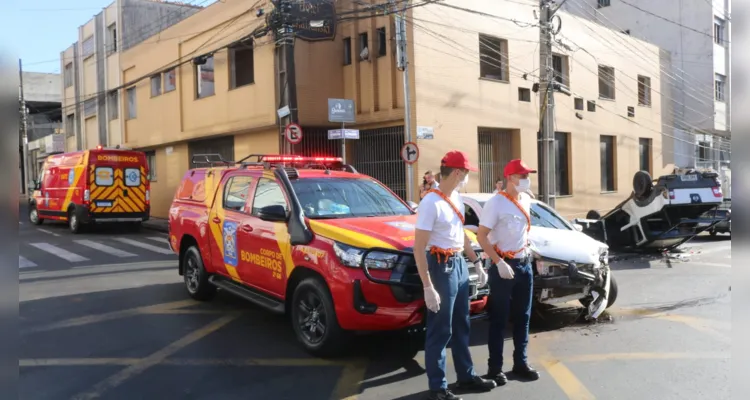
x=437, y=216
x=507, y=223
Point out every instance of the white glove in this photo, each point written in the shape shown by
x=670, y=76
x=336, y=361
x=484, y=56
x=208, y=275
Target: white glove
x=483, y=278
x=505, y=271
x=432, y=299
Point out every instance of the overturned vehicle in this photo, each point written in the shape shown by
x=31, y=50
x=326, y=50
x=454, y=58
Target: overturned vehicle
x=659, y=215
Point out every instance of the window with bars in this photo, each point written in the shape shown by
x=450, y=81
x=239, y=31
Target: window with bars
x=89, y=107
x=719, y=31
x=560, y=68
x=644, y=90
x=606, y=82
x=87, y=47
x=493, y=58
x=495, y=150
x=719, y=87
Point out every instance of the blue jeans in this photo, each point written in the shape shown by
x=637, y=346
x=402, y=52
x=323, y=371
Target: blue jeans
x=520, y=289
x=451, y=280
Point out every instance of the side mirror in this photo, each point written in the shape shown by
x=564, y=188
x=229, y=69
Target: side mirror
x=413, y=205
x=274, y=213
x=578, y=227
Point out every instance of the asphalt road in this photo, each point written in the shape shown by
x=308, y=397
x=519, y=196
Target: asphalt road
x=130, y=331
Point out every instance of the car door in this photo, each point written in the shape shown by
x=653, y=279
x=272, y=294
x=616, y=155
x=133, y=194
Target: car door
x=231, y=214
x=268, y=239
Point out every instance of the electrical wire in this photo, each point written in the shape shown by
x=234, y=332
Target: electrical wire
x=671, y=22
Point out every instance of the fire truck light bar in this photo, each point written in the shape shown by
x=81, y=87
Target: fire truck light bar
x=281, y=158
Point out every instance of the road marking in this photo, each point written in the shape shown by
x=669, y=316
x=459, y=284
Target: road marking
x=59, y=252
x=146, y=246
x=698, y=324
x=231, y=362
x=96, y=269
x=713, y=249
x=159, y=239
x=104, y=248
x=73, y=362
x=92, y=319
x=648, y=356
x=566, y=380
x=154, y=359
x=347, y=386
x=23, y=262
x=706, y=264
x=48, y=232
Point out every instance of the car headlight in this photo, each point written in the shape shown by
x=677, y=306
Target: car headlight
x=351, y=256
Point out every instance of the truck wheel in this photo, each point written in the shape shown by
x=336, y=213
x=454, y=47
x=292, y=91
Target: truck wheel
x=34, y=216
x=196, y=277
x=73, y=223
x=642, y=184
x=314, y=319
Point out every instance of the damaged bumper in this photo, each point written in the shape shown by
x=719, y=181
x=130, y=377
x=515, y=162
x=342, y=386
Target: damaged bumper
x=557, y=282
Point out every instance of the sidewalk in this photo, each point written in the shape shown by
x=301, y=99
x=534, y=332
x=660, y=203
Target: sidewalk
x=157, y=224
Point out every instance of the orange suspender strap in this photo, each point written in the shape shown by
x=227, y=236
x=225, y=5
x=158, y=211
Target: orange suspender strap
x=437, y=251
x=511, y=253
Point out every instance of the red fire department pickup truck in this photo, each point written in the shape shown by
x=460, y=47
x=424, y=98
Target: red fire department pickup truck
x=305, y=236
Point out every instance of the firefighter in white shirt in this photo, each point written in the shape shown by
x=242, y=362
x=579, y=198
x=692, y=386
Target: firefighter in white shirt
x=504, y=236
x=439, y=243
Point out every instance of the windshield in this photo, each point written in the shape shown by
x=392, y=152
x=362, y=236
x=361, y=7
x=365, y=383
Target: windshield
x=547, y=218
x=346, y=198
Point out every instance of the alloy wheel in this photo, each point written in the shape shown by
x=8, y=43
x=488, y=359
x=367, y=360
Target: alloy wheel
x=312, y=318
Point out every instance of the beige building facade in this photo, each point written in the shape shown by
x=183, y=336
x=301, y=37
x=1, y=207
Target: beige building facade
x=208, y=87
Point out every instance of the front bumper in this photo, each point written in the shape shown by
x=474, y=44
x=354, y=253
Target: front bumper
x=557, y=282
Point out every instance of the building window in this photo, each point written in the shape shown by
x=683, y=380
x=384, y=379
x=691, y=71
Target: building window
x=70, y=125
x=578, y=103
x=719, y=86
x=606, y=82
x=382, y=40
x=132, y=111
x=591, y=106
x=607, y=160
x=631, y=112
x=89, y=107
x=493, y=56
x=562, y=163
x=560, y=67
x=204, y=81
x=68, y=75
x=644, y=152
x=602, y=3
x=347, y=51
x=87, y=48
x=170, y=81
x=364, y=51
x=113, y=105
x=151, y=161
x=704, y=153
x=242, y=65
x=495, y=150
x=112, y=39
x=644, y=91
x=155, y=85
x=524, y=94
x=719, y=31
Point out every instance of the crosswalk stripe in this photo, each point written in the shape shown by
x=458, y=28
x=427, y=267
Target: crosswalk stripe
x=59, y=252
x=159, y=239
x=104, y=248
x=160, y=250
x=23, y=262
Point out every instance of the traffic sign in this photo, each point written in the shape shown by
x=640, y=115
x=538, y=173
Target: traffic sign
x=293, y=133
x=410, y=153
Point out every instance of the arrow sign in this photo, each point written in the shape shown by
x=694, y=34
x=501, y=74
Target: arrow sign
x=410, y=152
x=293, y=133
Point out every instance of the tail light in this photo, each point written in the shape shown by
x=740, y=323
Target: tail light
x=671, y=195
x=148, y=197
x=86, y=197
x=717, y=191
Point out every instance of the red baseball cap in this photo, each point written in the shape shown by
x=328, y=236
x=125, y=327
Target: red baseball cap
x=457, y=159
x=517, y=167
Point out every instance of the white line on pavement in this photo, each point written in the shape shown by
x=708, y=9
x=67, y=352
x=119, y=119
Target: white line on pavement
x=48, y=232
x=159, y=239
x=104, y=248
x=146, y=246
x=59, y=252
x=23, y=262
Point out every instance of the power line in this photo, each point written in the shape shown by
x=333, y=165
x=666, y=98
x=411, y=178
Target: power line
x=673, y=22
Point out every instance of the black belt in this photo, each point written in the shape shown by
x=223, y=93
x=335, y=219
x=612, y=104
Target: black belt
x=524, y=260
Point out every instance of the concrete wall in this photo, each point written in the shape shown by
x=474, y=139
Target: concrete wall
x=456, y=102
x=42, y=87
x=142, y=19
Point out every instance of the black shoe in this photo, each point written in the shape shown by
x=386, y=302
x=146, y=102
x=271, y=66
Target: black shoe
x=442, y=395
x=497, y=376
x=476, y=384
x=525, y=372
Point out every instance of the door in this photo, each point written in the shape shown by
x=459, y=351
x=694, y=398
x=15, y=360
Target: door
x=118, y=188
x=270, y=240
x=229, y=217
x=46, y=203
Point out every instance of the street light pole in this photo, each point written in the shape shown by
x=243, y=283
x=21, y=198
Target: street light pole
x=402, y=63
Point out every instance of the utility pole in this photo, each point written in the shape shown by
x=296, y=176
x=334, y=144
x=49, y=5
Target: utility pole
x=24, y=134
x=402, y=63
x=284, y=34
x=548, y=187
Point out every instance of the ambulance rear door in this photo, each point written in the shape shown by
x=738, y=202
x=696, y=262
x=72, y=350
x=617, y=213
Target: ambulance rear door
x=118, y=182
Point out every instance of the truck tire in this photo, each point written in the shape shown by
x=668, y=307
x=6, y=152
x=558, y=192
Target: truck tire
x=73, y=223
x=195, y=276
x=314, y=319
x=642, y=184
x=593, y=214
x=34, y=216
